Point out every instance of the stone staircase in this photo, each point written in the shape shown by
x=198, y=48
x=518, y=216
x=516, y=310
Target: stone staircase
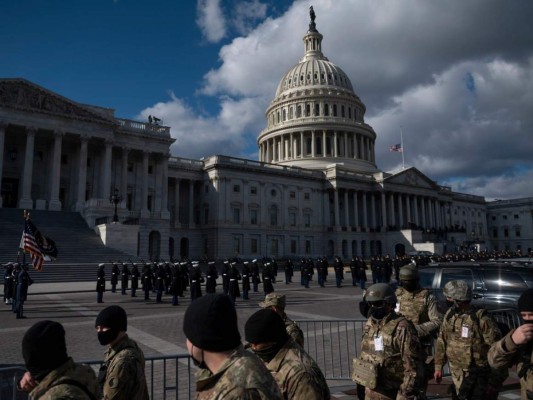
x=80, y=249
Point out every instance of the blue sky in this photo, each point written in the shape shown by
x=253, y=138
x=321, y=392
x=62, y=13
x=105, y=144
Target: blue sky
x=456, y=76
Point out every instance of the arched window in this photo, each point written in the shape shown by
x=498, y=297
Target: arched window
x=326, y=109
x=154, y=245
x=284, y=114
x=334, y=110
x=274, y=215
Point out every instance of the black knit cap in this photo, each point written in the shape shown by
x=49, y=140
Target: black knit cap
x=113, y=317
x=525, y=302
x=210, y=323
x=265, y=326
x=44, y=348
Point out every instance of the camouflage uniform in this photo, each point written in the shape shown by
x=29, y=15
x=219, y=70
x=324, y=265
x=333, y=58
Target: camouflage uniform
x=58, y=383
x=464, y=341
x=122, y=375
x=278, y=301
x=505, y=353
x=421, y=308
x=398, y=362
x=242, y=376
x=297, y=374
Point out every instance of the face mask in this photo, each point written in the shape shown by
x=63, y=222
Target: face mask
x=200, y=364
x=450, y=303
x=267, y=353
x=378, y=313
x=410, y=286
x=528, y=321
x=106, y=337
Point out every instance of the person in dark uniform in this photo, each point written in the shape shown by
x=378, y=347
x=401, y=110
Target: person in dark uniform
x=184, y=267
x=154, y=268
x=233, y=286
x=14, y=282
x=354, y=270
x=225, y=278
x=175, y=283
x=339, y=271
x=256, y=278
x=196, y=281
x=321, y=271
x=8, y=283
x=134, y=279
x=211, y=278
x=100, y=283
x=245, y=281
x=168, y=277
x=268, y=278
x=375, y=270
x=274, y=266
x=114, y=277
x=147, y=280
x=124, y=278
x=21, y=294
x=361, y=265
x=160, y=282
x=304, y=273
x=289, y=271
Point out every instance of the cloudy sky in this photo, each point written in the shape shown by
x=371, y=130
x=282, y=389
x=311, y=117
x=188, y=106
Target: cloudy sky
x=455, y=76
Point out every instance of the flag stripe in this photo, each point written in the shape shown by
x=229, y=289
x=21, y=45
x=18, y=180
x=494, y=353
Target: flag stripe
x=31, y=246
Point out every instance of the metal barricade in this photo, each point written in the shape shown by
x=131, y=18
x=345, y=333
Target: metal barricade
x=9, y=376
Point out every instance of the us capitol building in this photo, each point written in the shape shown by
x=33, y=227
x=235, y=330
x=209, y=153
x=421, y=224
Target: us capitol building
x=316, y=189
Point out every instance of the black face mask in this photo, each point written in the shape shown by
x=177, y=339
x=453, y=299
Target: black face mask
x=529, y=321
x=410, y=286
x=378, y=313
x=198, y=363
x=450, y=303
x=268, y=353
x=106, y=337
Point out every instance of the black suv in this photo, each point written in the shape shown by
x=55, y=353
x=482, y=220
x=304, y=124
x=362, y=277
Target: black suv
x=495, y=285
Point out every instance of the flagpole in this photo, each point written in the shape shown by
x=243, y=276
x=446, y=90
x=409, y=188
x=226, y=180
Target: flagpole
x=403, y=149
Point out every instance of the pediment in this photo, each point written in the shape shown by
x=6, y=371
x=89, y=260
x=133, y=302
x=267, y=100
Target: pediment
x=23, y=95
x=411, y=177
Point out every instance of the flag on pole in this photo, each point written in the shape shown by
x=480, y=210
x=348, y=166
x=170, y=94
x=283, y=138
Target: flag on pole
x=397, y=147
x=29, y=244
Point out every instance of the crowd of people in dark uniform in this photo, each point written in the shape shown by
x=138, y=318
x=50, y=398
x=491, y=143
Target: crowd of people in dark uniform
x=16, y=283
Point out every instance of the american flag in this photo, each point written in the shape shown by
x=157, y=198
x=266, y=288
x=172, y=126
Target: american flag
x=30, y=245
x=397, y=147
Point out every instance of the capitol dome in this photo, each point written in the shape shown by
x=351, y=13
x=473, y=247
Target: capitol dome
x=316, y=119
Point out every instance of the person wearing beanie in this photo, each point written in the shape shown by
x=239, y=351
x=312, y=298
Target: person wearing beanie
x=297, y=374
x=516, y=348
x=276, y=302
x=52, y=374
x=225, y=370
x=122, y=375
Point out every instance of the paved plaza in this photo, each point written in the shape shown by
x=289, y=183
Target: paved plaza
x=158, y=326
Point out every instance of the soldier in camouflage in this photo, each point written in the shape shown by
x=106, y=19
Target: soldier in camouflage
x=297, y=374
x=226, y=370
x=516, y=348
x=419, y=306
x=52, y=374
x=390, y=347
x=465, y=336
x=122, y=375
x=277, y=303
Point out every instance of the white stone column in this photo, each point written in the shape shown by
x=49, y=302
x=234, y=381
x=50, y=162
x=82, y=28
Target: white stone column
x=335, y=145
x=26, y=201
x=165, y=214
x=346, y=209
x=373, y=210
x=336, y=205
x=145, y=213
x=302, y=144
x=355, y=210
x=313, y=144
x=124, y=174
x=415, y=209
x=82, y=173
x=282, y=148
x=392, y=213
x=177, y=203
x=323, y=143
x=408, y=207
x=355, y=146
x=191, y=203
x=423, y=211
x=400, y=210
x=54, y=204
x=365, y=210
x=3, y=128
x=105, y=189
x=346, y=144
x=327, y=217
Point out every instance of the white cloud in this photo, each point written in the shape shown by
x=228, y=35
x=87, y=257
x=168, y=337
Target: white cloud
x=210, y=19
x=246, y=13
x=456, y=75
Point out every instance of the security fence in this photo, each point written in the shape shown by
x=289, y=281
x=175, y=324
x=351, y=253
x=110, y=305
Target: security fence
x=332, y=343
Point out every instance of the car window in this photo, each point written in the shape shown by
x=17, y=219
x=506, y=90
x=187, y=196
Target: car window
x=456, y=274
x=503, y=280
x=426, y=277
